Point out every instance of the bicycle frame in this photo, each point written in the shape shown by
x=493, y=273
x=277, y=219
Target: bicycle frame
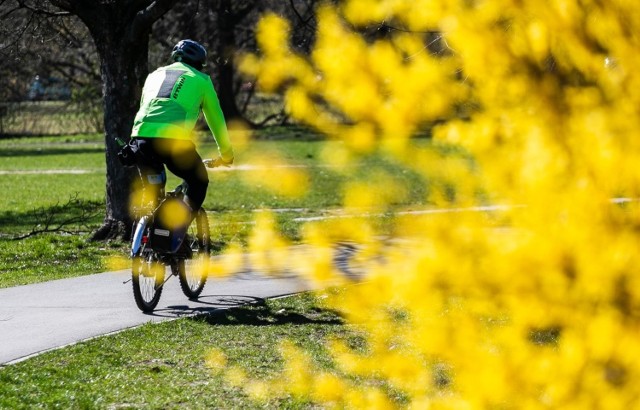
x=147, y=280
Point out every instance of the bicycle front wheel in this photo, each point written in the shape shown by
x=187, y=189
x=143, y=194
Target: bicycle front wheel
x=193, y=271
x=147, y=278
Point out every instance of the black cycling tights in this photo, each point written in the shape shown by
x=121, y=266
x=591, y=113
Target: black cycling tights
x=181, y=158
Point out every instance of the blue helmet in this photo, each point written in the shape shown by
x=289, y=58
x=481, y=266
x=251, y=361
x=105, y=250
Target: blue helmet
x=190, y=52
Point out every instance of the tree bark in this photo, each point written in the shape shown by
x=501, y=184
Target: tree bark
x=226, y=20
x=123, y=69
x=226, y=92
x=120, y=31
x=123, y=54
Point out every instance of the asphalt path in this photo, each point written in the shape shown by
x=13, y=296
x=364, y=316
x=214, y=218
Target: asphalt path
x=44, y=316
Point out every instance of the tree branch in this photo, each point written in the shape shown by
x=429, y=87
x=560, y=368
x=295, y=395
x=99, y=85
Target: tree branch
x=8, y=13
x=66, y=5
x=19, y=35
x=48, y=219
x=76, y=67
x=135, y=6
x=280, y=117
x=43, y=12
x=145, y=17
x=304, y=21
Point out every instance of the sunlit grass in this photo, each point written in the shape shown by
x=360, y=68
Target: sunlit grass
x=51, y=117
x=51, y=256
x=235, y=196
x=164, y=365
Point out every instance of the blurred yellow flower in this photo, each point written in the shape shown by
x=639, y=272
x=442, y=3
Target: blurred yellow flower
x=535, y=305
x=216, y=360
x=272, y=172
x=269, y=251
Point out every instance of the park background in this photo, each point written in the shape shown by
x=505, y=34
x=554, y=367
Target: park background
x=518, y=119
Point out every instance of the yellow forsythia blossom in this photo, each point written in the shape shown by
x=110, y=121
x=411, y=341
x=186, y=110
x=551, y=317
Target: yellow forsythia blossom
x=537, y=306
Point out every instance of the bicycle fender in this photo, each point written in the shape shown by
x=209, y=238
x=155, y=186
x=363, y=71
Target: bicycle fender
x=136, y=243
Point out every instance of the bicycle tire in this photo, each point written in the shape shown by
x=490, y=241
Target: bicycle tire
x=147, y=274
x=192, y=272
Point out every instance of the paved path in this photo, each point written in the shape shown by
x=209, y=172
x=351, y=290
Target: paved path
x=44, y=316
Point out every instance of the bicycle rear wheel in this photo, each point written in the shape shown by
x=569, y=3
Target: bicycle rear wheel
x=193, y=272
x=147, y=275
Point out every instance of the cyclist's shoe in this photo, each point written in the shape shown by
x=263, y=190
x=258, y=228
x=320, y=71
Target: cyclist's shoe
x=179, y=191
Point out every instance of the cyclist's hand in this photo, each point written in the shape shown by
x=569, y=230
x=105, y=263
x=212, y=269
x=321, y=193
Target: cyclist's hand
x=216, y=162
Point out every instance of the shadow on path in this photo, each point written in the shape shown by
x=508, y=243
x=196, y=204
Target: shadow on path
x=212, y=304
x=236, y=310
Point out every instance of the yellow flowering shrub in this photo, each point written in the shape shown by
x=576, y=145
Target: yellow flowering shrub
x=534, y=306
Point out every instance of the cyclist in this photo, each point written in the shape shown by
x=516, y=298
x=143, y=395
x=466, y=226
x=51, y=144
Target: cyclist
x=172, y=98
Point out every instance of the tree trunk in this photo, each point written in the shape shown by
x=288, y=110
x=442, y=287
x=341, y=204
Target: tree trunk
x=123, y=65
x=120, y=31
x=226, y=92
x=225, y=69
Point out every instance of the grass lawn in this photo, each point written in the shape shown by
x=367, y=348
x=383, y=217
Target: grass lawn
x=163, y=365
x=58, y=178
x=51, y=117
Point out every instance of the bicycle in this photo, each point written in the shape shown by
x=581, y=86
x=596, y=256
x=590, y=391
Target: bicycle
x=151, y=254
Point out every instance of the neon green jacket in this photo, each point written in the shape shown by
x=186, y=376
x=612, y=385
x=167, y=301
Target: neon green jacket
x=172, y=97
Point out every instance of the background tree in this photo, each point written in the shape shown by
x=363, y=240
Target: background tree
x=99, y=45
x=39, y=42
x=120, y=31
x=227, y=29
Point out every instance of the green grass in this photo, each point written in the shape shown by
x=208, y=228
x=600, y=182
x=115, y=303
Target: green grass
x=25, y=191
x=51, y=117
x=30, y=197
x=53, y=256
x=163, y=365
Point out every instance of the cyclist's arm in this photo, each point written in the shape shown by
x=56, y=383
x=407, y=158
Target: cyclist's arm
x=215, y=120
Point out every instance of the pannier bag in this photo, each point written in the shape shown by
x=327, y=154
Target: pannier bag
x=169, y=225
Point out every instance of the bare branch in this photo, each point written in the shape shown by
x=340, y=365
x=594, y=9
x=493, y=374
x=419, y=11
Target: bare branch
x=43, y=12
x=8, y=13
x=48, y=219
x=304, y=21
x=67, y=5
x=19, y=35
x=147, y=16
x=386, y=26
x=76, y=67
x=280, y=118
